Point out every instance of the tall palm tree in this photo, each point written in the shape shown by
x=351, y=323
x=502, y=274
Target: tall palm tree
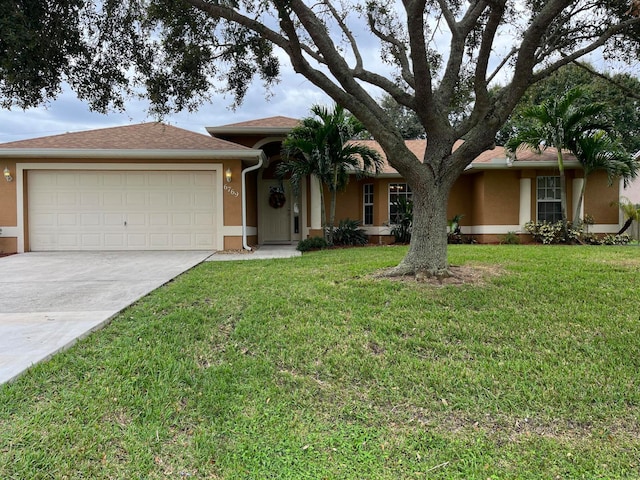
x=321, y=145
x=599, y=151
x=559, y=122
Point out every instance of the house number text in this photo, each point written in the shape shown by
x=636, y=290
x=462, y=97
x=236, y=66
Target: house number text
x=231, y=191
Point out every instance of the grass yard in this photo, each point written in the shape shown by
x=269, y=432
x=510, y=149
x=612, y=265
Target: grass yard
x=310, y=368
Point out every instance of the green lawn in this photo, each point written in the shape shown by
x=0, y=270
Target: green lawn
x=310, y=368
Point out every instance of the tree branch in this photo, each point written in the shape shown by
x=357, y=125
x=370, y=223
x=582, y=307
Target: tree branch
x=604, y=37
x=399, y=51
x=627, y=91
x=459, y=34
x=348, y=33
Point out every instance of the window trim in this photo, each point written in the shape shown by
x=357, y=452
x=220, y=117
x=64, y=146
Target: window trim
x=558, y=201
x=367, y=195
x=406, y=192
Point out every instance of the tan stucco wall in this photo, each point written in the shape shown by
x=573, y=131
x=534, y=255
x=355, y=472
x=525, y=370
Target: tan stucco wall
x=8, y=215
x=460, y=202
x=8, y=245
x=235, y=242
x=499, y=198
x=232, y=209
x=599, y=196
x=8, y=208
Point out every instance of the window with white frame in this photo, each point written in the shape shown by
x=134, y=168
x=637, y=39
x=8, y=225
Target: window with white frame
x=367, y=201
x=548, y=199
x=398, y=192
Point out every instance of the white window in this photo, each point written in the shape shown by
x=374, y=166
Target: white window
x=548, y=199
x=399, y=193
x=367, y=201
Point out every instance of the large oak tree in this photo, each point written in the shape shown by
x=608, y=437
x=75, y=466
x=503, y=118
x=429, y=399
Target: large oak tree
x=430, y=52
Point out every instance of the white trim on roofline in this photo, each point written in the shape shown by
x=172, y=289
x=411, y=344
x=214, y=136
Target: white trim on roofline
x=277, y=131
x=134, y=154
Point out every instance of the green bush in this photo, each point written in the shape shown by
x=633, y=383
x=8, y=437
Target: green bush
x=551, y=233
x=348, y=232
x=401, y=230
x=511, y=238
x=610, y=239
x=313, y=243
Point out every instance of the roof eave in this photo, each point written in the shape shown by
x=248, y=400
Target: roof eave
x=133, y=154
x=521, y=164
x=243, y=131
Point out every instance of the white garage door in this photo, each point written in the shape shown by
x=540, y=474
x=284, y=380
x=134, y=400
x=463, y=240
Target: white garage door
x=121, y=210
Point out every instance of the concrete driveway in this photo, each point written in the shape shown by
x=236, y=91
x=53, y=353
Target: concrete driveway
x=50, y=300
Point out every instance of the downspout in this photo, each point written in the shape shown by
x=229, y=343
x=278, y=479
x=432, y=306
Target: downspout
x=245, y=245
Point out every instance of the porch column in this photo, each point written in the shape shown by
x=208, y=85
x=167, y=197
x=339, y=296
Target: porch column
x=525, y=201
x=577, y=187
x=316, y=217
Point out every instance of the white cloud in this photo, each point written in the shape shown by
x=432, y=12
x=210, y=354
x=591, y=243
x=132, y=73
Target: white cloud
x=292, y=97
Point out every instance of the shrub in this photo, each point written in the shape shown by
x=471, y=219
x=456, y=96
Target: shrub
x=401, y=230
x=511, y=238
x=454, y=235
x=348, y=232
x=610, y=239
x=313, y=243
x=549, y=234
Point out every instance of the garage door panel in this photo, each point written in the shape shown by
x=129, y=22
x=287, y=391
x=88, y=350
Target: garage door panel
x=86, y=210
x=113, y=219
x=203, y=219
x=89, y=199
x=159, y=199
x=111, y=179
x=114, y=241
x=91, y=240
x=89, y=180
x=67, y=219
x=136, y=219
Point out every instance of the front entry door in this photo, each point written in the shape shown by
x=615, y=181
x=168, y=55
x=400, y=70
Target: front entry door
x=275, y=212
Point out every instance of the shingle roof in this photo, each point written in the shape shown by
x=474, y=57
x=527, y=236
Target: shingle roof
x=497, y=156
x=144, y=136
x=269, y=122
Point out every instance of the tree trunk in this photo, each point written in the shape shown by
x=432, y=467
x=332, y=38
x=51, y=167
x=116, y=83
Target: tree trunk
x=332, y=206
x=625, y=227
x=427, y=253
x=576, y=217
x=323, y=212
x=563, y=195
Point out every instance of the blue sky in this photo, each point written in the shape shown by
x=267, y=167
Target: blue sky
x=292, y=97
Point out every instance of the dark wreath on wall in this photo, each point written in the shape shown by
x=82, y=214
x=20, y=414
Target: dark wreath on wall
x=277, y=198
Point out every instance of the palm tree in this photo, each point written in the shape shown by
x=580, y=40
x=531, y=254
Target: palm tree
x=630, y=211
x=321, y=146
x=599, y=151
x=558, y=122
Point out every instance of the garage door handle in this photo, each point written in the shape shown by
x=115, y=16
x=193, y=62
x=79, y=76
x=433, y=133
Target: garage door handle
x=125, y=223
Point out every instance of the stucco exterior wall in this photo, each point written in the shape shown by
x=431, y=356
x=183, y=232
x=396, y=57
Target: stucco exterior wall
x=8, y=216
x=599, y=196
x=460, y=202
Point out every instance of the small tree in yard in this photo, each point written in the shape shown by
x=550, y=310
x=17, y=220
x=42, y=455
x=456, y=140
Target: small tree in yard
x=558, y=122
x=428, y=54
x=321, y=146
x=599, y=151
x=631, y=213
